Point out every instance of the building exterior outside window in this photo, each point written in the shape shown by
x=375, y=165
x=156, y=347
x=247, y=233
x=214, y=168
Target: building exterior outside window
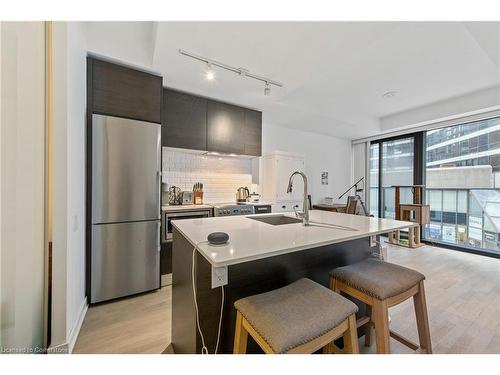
x=397, y=169
x=374, y=153
x=462, y=179
x=463, y=184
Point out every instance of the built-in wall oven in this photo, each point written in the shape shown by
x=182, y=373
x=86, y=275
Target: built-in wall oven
x=181, y=214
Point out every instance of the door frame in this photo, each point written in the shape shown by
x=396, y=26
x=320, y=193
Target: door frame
x=418, y=162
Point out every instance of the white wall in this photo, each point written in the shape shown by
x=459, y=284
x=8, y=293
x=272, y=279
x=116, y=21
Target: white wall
x=360, y=153
x=130, y=41
x=1, y=301
x=323, y=154
x=76, y=174
x=69, y=301
x=22, y=182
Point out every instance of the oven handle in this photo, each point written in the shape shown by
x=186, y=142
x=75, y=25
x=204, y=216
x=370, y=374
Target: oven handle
x=187, y=213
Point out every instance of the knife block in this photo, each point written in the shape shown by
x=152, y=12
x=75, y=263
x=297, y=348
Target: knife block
x=197, y=197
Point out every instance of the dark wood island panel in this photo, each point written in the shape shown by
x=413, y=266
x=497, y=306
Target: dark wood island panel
x=244, y=279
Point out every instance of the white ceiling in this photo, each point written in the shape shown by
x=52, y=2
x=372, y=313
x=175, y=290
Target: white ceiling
x=335, y=73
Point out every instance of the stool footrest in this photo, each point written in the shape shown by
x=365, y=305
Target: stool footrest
x=362, y=321
x=403, y=340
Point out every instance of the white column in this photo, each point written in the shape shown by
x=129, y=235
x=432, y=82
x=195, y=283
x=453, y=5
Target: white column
x=359, y=166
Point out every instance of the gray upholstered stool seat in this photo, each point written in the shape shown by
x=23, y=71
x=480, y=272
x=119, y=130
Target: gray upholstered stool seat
x=295, y=314
x=378, y=279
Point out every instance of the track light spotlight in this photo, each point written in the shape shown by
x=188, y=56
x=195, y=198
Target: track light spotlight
x=267, y=89
x=209, y=74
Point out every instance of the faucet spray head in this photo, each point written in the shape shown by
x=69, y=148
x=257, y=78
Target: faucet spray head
x=289, y=188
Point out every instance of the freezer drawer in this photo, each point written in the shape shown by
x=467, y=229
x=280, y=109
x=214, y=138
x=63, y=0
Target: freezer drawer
x=125, y=170
x=125, y=259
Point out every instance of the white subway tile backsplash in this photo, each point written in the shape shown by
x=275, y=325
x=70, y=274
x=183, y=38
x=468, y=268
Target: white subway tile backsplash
x=221, y=176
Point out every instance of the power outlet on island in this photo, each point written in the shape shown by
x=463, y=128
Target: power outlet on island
x=219, y=276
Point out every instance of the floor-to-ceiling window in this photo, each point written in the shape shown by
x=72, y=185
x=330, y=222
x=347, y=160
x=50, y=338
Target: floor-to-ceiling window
x=463, y=184
x=397, y=169
x=374, y=178
x=391, y=163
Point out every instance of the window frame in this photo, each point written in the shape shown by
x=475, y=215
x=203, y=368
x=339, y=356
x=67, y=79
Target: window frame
x=419, y=178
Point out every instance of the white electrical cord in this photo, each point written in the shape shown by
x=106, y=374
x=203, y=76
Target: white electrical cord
x=220, y=319
x=204, y=349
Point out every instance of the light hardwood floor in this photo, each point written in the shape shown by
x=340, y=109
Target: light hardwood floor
x=463, y=300
x=133, y=325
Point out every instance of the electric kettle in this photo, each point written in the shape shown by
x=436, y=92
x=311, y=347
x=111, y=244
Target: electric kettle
x=242, y=194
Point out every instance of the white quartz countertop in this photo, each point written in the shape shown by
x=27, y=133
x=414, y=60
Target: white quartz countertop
x=251, y=239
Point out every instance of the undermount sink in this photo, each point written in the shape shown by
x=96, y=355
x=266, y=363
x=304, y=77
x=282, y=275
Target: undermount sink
x=276, y=219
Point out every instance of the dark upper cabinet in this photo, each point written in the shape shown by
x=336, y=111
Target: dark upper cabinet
x=225, y=125
x=197, y=123
x=252, y=133
x=184, y=120
x=125, y=92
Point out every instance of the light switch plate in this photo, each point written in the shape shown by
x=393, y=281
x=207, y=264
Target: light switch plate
x=219, y=276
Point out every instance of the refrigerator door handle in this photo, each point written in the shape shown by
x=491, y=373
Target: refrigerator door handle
x=158, y=236
x=158, y=177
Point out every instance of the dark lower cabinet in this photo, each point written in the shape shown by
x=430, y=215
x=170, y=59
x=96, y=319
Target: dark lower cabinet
x=184, y=120
x=166, y=258
x=121, y=91
x=225, y=125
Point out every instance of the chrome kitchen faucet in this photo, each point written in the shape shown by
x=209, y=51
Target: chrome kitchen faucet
x=304, y=215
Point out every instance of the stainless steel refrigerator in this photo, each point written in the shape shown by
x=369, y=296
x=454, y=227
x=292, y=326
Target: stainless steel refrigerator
x=125, y=233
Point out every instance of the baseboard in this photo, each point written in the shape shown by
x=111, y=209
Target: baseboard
x=78, y=325
x=67, y=347
x=166, y=280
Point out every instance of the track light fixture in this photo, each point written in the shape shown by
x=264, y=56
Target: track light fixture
x=267, y=89
x=210, y=74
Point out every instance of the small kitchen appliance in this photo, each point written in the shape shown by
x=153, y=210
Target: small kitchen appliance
x=254, y=197
x=218, y=238
x=242, y=194
x=187, y=197
x=174, y=196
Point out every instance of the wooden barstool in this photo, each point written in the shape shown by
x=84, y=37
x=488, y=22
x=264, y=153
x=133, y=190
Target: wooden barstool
x=299, y=318
x=382, y=285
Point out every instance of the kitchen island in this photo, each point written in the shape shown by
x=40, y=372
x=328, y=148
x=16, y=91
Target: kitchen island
x=259, y=257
